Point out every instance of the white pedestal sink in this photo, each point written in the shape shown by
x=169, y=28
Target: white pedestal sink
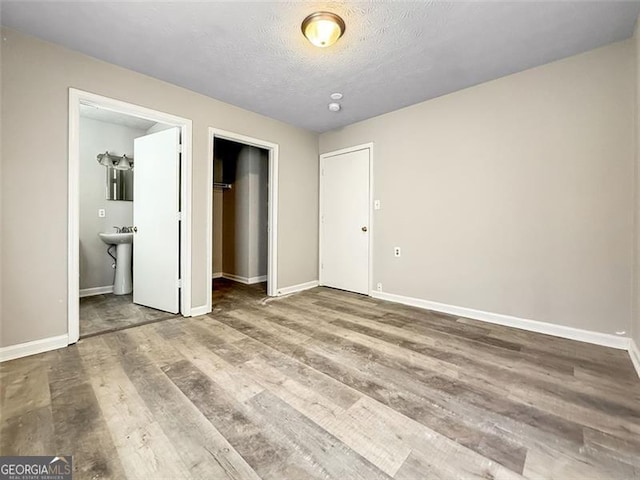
x=123, y=282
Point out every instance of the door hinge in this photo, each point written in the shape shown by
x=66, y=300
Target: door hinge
x=179, y=283
x=179, y=148
x=179, y=216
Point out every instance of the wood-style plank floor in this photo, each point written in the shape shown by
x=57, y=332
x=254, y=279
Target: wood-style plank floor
x=325, y=385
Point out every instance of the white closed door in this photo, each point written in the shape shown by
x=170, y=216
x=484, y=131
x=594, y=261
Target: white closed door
x=344, y=217
x=156, y=203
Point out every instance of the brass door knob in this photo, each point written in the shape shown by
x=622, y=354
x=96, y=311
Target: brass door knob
x=364, y=229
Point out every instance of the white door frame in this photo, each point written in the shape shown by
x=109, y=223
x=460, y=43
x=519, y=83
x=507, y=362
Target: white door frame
x=76, y=98
x=272, y=260
x=364, y=146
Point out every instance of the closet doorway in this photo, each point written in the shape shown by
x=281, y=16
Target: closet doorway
x=243, y=197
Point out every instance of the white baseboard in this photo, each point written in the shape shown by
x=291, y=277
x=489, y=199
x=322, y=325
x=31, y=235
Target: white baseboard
x=31, y=348
x=297, y=288
x=239, y=279
x=89, y=292
x=197, y=311
x=597, y=338
x=634, y=353
x=217, y=275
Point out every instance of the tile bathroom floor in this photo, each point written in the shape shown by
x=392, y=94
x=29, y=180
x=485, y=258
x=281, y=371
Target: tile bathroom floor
x=109, y=313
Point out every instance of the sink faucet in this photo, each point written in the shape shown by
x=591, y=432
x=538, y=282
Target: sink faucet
x=118, y=229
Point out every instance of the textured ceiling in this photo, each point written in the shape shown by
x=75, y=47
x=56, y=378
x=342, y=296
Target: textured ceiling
x=393, y=54
x=116, y=118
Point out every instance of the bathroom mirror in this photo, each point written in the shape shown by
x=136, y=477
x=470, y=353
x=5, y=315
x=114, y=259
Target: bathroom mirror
x=119, y=184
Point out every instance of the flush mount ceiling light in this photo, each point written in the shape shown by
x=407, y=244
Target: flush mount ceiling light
x=323, y=29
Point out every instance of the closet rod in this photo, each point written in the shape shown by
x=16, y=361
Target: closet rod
x=224, y=186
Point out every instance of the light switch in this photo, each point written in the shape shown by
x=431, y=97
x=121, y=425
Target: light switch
x=102, y=213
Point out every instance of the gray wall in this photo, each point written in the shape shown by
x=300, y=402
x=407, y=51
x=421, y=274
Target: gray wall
x=243, y=214
x=514, y=196
x=252, y=231
x=635, y=327
x=229, y=232
x=36, y=77
x=217, y=218
x=260, y=214
x=97, y=137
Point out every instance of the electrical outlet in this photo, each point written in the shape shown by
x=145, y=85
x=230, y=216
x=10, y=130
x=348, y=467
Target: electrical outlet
x=376, y=204
x=396, y=251
x=102, y=213
x=379, y=286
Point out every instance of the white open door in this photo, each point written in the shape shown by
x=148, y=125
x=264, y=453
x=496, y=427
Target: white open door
x=156, y=203
x=344, y=217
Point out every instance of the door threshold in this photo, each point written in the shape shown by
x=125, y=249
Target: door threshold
x=127, y=327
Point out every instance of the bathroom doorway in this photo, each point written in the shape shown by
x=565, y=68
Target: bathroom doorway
x=242, y=234
x=128, y=227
